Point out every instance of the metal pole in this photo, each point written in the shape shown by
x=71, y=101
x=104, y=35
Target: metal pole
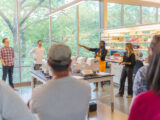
x=122, y=17
x=141, y=17
x=77, y=22
x=50, y=23
x=18, y=38
x=101, y=16
x=157, y=12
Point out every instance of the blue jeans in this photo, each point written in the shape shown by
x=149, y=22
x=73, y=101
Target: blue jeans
x=8, y=70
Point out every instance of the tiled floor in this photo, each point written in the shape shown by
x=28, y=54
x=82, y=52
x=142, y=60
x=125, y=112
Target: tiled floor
x=104, y=111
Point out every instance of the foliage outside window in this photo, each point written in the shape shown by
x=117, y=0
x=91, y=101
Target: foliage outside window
x=159, y=15
x=131, y=15
x=89, y=25
x=64, y=29
x=114, y=14
x=148, y=15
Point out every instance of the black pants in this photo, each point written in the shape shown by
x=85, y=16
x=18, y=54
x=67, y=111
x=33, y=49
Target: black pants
x=8, y=70
x=126, y=73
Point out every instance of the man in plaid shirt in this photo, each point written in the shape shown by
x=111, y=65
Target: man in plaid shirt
x=7, y=59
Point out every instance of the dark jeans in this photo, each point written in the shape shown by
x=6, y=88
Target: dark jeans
x=126, y=73
x=8, y=70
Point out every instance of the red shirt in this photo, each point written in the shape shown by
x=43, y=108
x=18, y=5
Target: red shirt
x=146, y=106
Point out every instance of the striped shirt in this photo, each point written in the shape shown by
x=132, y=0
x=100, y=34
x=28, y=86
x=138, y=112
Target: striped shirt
x=7, y=54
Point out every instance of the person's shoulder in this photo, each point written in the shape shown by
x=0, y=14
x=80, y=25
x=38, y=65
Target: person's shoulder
x=133, y=54
x=35, y=48
x=6, y=89
x=143, y=69
x=81, y=82
x=125, y=53
x=11, y=48
x=41, y=89
x=105, y=50
x=144, y=96
x=3, y=84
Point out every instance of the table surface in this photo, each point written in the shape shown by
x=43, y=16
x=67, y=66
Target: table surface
x=41, y=75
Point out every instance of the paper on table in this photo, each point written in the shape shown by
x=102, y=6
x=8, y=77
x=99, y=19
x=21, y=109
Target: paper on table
x=103, y=74
x=78, y=77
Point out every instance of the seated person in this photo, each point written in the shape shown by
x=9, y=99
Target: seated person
x=139, y=63
x=11, y=106
x=140, y=84
x=63, y=97
x=146, y=105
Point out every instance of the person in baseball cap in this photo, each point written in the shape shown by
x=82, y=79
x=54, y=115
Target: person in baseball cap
x=59, y=57
x=64, y=97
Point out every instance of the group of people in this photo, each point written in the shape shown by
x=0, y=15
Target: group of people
x=63, y=98
x=145, y=88
x=66, y=98
x=7, y=59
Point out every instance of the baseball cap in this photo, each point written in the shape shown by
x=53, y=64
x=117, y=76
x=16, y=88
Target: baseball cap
x=59, y=54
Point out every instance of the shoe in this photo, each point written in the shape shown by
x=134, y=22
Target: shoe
x=103, y=90
x=129, y=96
x=95, y=90
x=15, y=89
x=118, y=95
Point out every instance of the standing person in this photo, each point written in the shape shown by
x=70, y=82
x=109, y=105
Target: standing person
x=37, y=54
x=128, y=62
x=100, y=54
x=146, y=105
x=63, y=97
x=7, y=59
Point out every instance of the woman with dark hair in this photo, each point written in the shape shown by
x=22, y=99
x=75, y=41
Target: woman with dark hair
x=146, y=106
x=128, y=62
x=100, y=54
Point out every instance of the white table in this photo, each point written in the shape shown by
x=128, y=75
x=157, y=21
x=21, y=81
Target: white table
x=101, y=77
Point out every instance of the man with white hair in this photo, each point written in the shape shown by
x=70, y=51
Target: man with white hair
x=63, y=97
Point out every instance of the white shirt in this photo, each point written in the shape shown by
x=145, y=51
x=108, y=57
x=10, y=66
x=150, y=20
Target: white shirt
x=11, y=106
x=62, y=99
x=39, y=54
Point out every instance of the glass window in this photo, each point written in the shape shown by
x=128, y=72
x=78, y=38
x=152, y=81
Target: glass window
x=89, y=25
x=34, y=26
x=148, y=15
x=114, y=14
x=59, y=3
x=8, y=30
x=158, y=14
x=131, y=15
x=64, y=29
